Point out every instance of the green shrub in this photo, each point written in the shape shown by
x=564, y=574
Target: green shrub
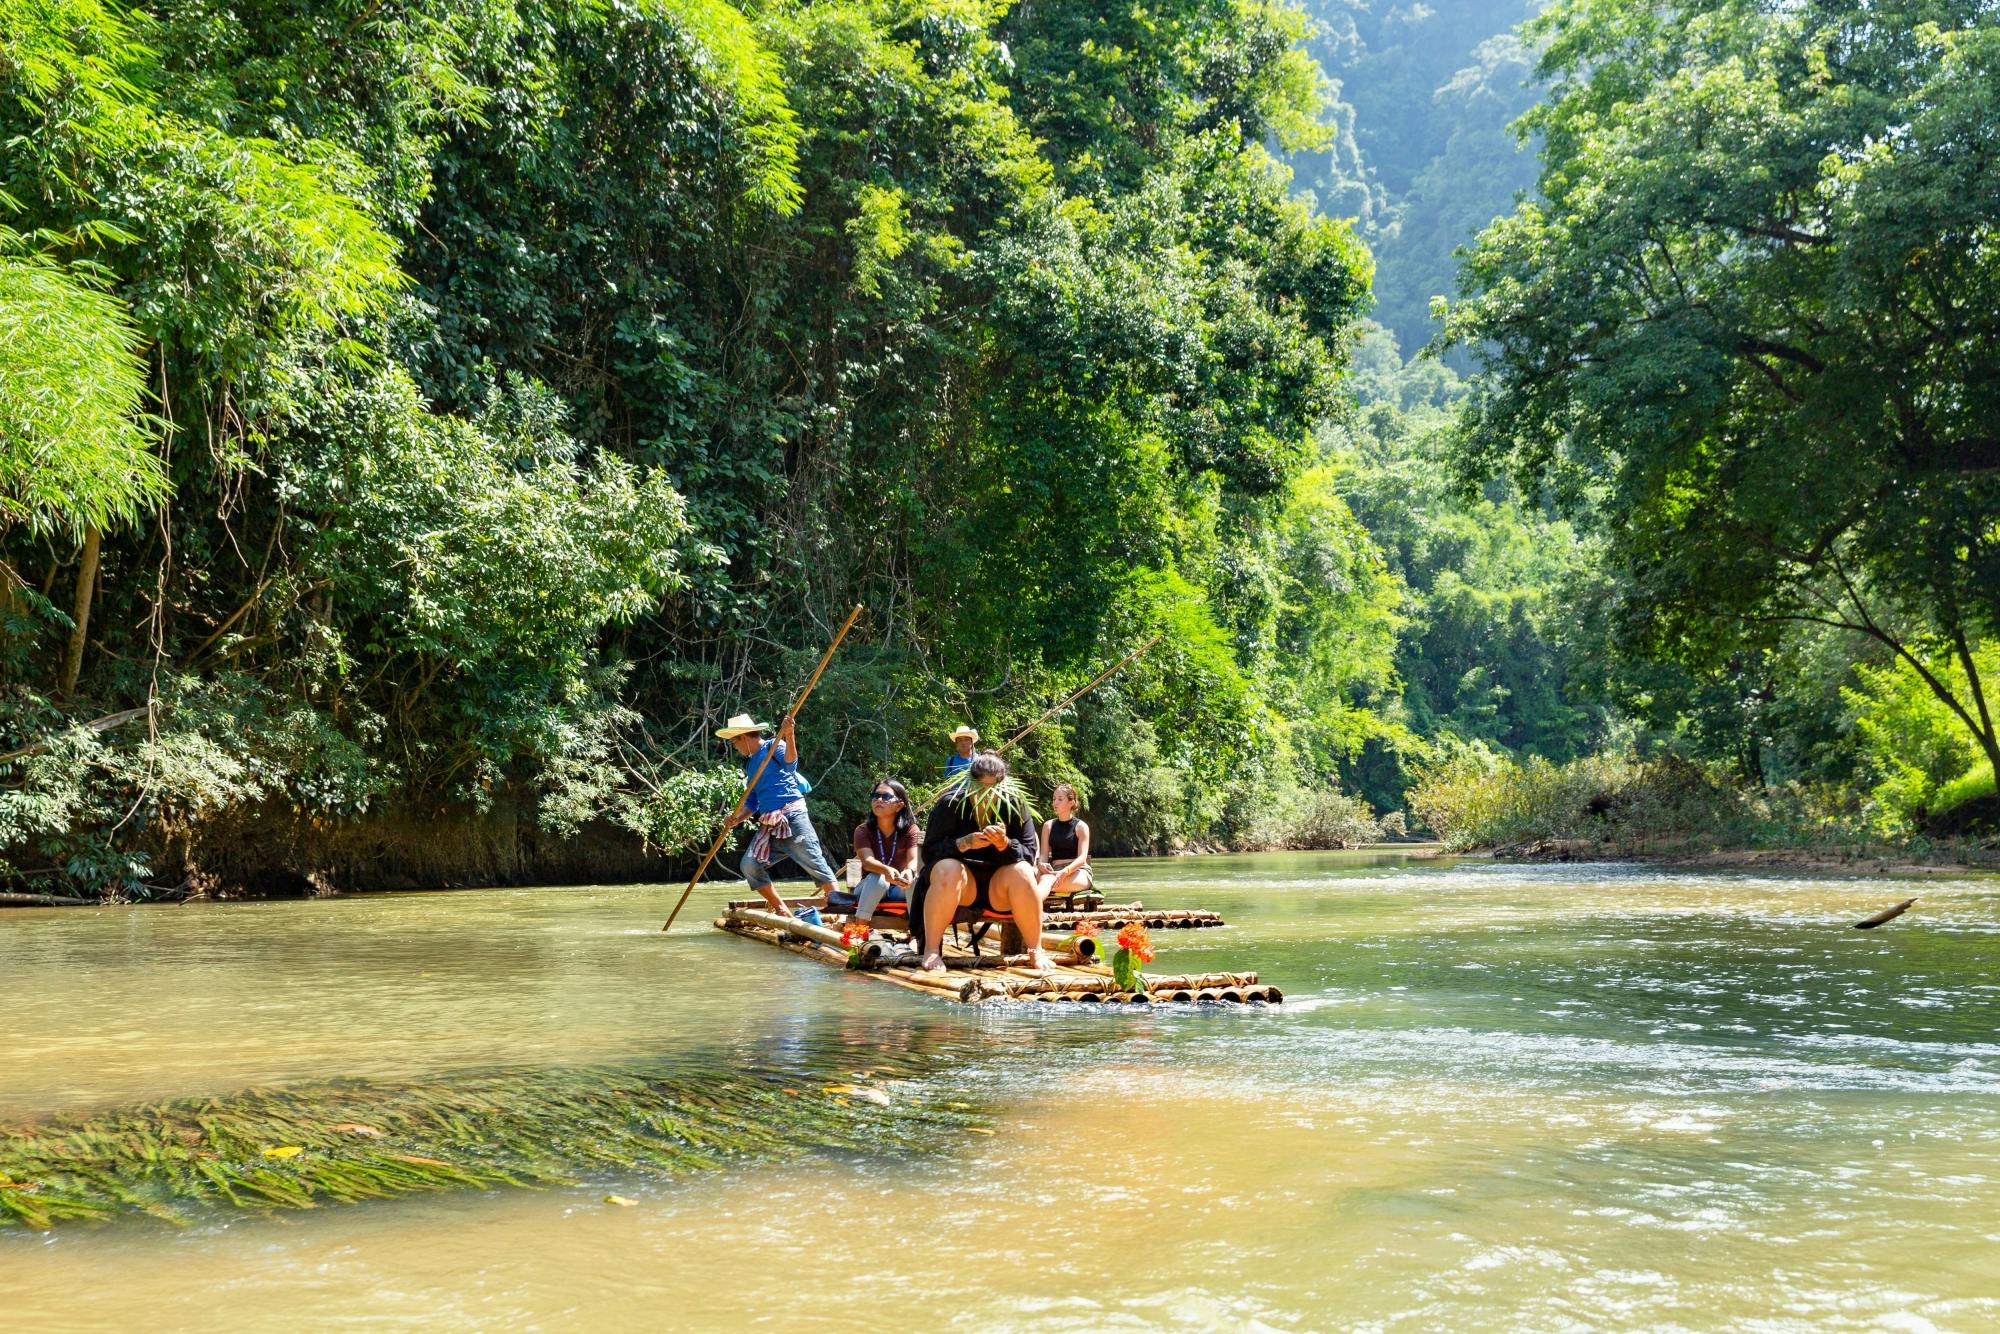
x=1966, y=787
x=1312, y=820
x=1475, y=799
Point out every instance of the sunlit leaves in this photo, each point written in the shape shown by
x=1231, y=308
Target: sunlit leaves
x=74, y=448
x=1756, y=311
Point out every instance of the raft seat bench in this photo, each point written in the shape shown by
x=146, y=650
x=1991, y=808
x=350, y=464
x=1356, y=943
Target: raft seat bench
x=980, y=920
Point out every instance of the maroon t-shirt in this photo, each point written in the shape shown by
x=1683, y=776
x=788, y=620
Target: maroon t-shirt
x=898, y=849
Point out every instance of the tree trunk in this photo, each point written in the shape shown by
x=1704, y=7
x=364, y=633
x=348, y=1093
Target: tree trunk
x=86, y=583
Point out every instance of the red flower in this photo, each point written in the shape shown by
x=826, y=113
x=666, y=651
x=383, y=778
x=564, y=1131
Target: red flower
x=854, y=933
x=1132, y=936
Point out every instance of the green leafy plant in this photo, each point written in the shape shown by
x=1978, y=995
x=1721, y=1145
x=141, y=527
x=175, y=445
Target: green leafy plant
x=1135, y=947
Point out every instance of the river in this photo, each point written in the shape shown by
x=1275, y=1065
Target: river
x=1497, y=1097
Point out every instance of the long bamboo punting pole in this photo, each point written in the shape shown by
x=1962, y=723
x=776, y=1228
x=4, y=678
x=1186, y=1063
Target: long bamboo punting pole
x=790, y=714
x=931, y=798
x=1095, y=681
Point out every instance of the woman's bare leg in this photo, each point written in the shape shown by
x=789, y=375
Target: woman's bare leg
x=950, y=886
x=1013, y=889
x=1075, y=882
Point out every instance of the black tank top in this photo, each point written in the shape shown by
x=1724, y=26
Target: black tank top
x=1062, y=839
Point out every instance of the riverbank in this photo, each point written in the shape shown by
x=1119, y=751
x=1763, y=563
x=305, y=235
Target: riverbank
x=1694, y=855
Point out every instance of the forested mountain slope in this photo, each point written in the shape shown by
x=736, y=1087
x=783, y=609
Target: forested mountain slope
x=1423, y=156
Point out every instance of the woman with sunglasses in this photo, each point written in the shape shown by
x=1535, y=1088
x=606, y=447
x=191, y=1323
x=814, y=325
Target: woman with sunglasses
x=887, y=844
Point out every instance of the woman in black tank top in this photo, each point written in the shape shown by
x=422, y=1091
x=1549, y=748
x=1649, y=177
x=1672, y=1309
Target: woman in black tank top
x=1065, y=865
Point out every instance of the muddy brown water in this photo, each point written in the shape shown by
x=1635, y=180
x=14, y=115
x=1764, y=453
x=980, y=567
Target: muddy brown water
x=1496, y=1098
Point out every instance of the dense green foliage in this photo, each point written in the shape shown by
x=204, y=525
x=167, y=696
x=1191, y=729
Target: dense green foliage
x=1489, y=648
x=1421, y=155
x=1748, y=329
x=520, y=385
x=459, y=406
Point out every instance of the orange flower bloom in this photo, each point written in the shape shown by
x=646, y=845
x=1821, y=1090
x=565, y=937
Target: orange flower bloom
x=854, y=933
x=1088, y=930
x=1132, y=936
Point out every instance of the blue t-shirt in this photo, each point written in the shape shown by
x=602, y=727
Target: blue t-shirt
x=957, y=764
x=779, y=787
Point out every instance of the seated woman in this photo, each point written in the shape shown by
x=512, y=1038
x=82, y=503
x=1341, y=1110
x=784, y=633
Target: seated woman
x=979, y=851
x=1065, y=864
x=887, y=844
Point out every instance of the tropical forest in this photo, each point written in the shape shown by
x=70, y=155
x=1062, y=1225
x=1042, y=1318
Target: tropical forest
x=1000, y=665
x=421, y=423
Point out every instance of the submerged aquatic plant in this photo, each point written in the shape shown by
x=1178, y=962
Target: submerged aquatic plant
x=355, y=1140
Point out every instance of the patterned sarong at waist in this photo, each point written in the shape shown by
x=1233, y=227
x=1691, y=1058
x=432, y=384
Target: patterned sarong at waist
x=773, y=827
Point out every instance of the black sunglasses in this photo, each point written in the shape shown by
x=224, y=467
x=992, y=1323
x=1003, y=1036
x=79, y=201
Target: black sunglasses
x=887, y=796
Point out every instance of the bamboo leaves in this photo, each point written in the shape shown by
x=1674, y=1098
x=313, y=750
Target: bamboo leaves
x=74, y=443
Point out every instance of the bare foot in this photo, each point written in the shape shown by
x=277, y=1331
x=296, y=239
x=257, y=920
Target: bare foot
x=1039, y=960
x=933, y=962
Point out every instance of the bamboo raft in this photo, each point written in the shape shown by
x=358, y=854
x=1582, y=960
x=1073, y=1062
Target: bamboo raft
x=1115, y=915
x=975, y=979
x=1098, y=914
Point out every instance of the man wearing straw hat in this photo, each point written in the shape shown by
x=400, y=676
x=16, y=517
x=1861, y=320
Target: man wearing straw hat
x=783, y=827
x=966, y=738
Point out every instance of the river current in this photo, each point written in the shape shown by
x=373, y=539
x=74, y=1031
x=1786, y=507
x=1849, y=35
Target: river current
x=1497, y=1097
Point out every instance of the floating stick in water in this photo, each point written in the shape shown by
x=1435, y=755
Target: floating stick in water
x=1886, y=915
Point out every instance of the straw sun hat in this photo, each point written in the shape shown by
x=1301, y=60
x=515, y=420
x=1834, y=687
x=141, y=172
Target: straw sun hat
x=964, y=729
x=740, y=724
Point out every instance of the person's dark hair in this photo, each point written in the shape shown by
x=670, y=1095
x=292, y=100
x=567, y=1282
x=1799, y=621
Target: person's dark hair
x=987, y=764
x=1062, y=788
x=906, y=819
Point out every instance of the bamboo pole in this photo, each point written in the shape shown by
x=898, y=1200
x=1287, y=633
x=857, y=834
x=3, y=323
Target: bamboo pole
x=1106, y=986
x=791, y=926
x=1095, y=681
x=791, y=714
x=1016, y=739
